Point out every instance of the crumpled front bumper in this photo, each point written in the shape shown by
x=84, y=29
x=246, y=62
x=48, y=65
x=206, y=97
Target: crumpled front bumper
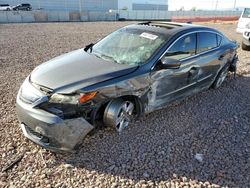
x=49, y=130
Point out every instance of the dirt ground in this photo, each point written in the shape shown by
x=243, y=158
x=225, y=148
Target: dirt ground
x=160, y=150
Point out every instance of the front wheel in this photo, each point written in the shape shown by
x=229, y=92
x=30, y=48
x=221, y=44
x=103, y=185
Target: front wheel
x=119, y=113
x=221, y=77
x=244, y=46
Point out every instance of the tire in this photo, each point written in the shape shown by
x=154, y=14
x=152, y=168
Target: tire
x=8, y=9
x=221, y=77
x=119, y=113
x=244, y=46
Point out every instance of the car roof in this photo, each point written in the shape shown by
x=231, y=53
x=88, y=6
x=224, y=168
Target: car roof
x=170, y=28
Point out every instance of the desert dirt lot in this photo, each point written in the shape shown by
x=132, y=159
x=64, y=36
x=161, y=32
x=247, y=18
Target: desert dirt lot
x=159, y=150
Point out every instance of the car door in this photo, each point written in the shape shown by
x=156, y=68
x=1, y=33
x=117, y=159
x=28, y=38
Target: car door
x=3, y=7
x=210, y=57
x=171, y=84
x=22, y=7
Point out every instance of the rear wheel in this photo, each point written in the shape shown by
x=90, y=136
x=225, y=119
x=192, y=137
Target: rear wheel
x=221, y=77
x=244, y=46
x=119, y=113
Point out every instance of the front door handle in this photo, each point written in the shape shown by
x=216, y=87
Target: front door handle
x=221, y=57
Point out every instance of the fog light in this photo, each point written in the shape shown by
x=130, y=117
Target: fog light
x=40, y=130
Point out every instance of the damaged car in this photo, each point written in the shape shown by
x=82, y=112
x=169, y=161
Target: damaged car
x=134, y=70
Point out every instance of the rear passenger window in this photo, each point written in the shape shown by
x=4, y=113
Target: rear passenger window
x=184, y=47
x=219, y=40
x=206, y=41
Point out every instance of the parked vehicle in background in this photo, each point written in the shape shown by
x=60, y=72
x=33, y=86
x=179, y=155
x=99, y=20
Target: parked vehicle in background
x=243, y=20
x=5, y=7
x=24, y=6
x=245, y=44
x=134, y=70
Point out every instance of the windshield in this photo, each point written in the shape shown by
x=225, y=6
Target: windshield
x=128, y=46
x=246, y=13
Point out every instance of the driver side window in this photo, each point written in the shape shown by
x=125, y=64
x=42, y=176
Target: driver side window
x=183, y=48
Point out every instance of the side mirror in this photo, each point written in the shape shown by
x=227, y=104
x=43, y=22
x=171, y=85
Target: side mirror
x=89, y=46
x=169, y=63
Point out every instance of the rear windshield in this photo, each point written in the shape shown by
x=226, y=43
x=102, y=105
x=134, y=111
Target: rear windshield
x=246, y=13
x=4, y=5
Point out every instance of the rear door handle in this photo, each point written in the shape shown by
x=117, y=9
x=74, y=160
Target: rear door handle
x=193, y=70
x=193, y=75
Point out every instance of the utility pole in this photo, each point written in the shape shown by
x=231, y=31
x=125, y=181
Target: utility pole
x=216, y=4
x=80, y=6
x=234, y=4
x=39, y=5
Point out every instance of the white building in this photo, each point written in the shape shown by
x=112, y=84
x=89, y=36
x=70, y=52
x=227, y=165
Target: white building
x=92, y=5
x=143, y=4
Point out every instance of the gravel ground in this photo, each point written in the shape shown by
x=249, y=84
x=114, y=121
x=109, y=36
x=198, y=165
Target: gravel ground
x=202, y=141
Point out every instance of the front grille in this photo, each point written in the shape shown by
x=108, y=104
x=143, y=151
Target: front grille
x=25, y=100
x=30, y=94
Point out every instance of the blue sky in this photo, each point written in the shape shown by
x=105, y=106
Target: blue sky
x=206, y=4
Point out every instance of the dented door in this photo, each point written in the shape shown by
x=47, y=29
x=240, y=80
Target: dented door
x=172, y=84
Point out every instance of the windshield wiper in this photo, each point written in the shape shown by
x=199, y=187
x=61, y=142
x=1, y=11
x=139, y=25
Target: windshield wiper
x=97, y=55
x=105, y=57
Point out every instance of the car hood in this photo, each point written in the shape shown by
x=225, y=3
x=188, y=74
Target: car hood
x=76, y=70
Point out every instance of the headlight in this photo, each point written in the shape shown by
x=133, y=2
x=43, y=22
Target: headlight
x=68, y=99
x=72, y=99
